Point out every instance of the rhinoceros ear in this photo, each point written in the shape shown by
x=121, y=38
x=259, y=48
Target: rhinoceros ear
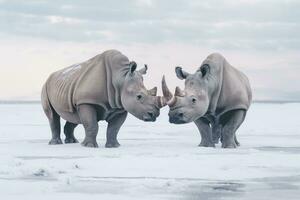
x=180, y=73
x=132, y=67
x=144, y=70
x=204, y=69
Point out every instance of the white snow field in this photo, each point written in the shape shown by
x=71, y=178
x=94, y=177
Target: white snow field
x=155, y=161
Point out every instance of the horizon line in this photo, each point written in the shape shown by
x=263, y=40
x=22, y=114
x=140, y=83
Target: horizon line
x=254, y=101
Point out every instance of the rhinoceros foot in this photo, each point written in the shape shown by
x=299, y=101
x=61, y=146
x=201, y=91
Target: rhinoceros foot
x=216, y=140
x=114, y=144
x=229, y=145
x=71, y=140
x=206, y=144
x=236, y=142
x=55, y=141
x=89, y=143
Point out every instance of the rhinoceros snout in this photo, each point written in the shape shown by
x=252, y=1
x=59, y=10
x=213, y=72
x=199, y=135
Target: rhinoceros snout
x=177, y=118
x=150, y=117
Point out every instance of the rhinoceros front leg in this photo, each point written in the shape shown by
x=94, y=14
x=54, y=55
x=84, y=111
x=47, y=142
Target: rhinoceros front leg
x=232, y=121
x=206, y=132
x=88, y=117
x=216, y=131
x=113, y=128
x=69, y=132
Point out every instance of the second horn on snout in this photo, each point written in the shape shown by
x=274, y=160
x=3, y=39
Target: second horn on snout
x=152, y=91
x=179, y=92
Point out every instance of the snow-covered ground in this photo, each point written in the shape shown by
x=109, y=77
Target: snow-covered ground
x=155, y=161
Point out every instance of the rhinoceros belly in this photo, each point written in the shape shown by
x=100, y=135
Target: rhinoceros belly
x=69, y=116
x=102, y=114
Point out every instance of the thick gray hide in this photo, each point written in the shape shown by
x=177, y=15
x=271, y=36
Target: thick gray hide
x=233, y=89
x=95, y=81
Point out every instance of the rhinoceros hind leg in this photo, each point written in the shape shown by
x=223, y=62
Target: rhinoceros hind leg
x=69, y=132
x=206, y=133
x=236, y=141
x=88, y=117
x=53, y=118
x=231, y=121
x=54, y=121
x=54, y=141
x=114, y=125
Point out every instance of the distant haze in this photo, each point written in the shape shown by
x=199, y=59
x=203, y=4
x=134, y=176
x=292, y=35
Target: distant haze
x=259, y=37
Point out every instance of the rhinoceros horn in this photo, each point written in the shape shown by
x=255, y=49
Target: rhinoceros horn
x=153, y=91
x=179, y=92
x=161, y=101
x=168, y=98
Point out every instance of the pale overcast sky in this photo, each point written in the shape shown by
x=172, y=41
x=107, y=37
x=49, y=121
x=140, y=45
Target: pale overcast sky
x=259, y=37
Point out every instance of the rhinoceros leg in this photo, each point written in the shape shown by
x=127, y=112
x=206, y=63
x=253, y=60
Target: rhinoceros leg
x=216, y=131
x=231, y=122
x=53, y=118
x=88, y=117
x=206, y=132
x=54, y=121
x=114, y=125
x=236, y=141
x=235, y=138
x=69, y=132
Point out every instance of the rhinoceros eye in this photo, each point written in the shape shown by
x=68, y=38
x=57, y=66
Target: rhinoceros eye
x=194, y=100
x=139, y=97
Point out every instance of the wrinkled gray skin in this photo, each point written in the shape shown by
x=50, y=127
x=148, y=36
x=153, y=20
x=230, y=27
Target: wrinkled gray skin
x=216, y=98
x=135, y=98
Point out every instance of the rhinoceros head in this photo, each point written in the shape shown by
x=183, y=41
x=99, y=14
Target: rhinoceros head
x=191, y=103
x=136, y=99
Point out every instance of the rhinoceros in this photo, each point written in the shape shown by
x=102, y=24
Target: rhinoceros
x=216, y=98
x=105, y=87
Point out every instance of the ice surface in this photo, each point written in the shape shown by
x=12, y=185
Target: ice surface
x=155, y=161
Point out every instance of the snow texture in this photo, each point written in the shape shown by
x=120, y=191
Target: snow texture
x=155, y=161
